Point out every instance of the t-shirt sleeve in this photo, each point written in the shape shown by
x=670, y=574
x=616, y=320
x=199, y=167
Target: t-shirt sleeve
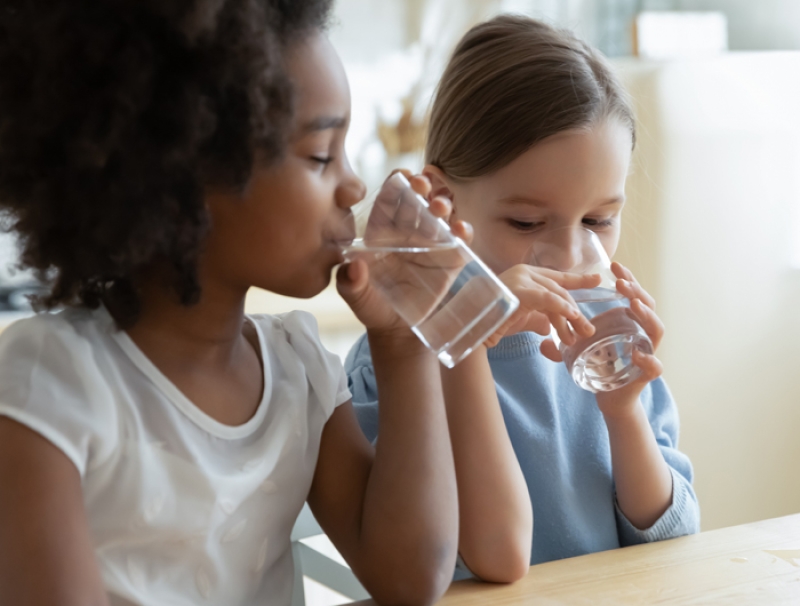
x=683, y=515
x=51, y=383
x=323, y=368
x=361, y=379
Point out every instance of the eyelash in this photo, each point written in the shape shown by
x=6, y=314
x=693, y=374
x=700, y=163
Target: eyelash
x=531, y=225
x=598, y=222
x=524, y=225
x=324, y=161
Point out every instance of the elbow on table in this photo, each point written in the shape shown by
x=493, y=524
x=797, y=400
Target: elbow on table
x=413, y=584
x=412, y=592
x=505, y=565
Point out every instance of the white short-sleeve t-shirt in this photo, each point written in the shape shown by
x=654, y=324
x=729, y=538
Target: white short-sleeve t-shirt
x=183, y=510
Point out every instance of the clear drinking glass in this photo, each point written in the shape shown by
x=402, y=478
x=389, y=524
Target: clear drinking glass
x=434, y=282
x=602, y=362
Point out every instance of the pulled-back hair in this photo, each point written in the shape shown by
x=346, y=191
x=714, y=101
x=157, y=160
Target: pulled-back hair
x=116, y=115
x=512, y=82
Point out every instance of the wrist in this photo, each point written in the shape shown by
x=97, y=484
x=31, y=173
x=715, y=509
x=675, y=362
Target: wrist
x=467, y=366
x=396, y=342
x=622, y=413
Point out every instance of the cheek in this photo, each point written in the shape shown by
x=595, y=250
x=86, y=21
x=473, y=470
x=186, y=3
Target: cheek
x=610, y=241
x=499, y=249
x=287, y=220
x=493, y=241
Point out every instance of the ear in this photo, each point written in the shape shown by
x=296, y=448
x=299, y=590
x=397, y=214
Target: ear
x=440, y=183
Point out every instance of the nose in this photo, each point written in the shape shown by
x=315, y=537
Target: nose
x=563, y=249
x=569, y=250
x=351, y=190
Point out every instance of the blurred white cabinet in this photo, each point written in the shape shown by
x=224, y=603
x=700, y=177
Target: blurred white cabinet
x=712, y=229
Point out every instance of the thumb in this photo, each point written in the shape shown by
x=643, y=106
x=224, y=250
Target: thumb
x=351, y=280
x=550, y=351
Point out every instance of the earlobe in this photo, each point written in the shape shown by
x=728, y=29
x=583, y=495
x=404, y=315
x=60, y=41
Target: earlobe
x=439, y=182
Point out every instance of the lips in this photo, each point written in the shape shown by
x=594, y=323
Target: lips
x=341, y=231
x=335, y=249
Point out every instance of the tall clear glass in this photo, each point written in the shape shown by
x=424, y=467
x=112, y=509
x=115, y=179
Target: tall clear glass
x=602, y=362
x=434, y=282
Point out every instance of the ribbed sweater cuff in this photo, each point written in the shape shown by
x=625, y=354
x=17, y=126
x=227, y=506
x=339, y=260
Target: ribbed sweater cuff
x=516, y=346
x=670, y=525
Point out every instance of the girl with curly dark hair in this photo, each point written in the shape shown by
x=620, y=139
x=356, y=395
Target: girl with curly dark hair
x=157, y=159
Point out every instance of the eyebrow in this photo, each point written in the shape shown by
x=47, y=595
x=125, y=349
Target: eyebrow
x=541, y=204
x=324, y=123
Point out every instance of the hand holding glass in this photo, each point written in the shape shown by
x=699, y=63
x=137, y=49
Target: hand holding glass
x=603, y=361
x=432, y=280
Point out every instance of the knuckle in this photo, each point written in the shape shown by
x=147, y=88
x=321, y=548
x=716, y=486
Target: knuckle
x=553, y=300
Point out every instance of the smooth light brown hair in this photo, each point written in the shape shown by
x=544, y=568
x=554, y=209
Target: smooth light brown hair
x=512, y=82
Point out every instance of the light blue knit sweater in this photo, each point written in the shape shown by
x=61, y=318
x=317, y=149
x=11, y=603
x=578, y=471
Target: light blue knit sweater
x=561, y=441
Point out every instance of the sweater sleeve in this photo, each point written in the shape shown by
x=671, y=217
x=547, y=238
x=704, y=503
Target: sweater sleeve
x=364, y=389
x=683, y=515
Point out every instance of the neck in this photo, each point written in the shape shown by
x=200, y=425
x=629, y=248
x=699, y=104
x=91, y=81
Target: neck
x=206, y=331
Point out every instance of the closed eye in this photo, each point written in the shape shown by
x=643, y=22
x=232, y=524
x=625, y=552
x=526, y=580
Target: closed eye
x=590, y=222
x=324, y=160
x=524, y=225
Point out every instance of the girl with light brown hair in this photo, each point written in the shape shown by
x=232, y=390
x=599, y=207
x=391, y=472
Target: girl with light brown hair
x=530, y=131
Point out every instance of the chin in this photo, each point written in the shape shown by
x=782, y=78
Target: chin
x=305, y=282
x=306, y=286
x=308, y=293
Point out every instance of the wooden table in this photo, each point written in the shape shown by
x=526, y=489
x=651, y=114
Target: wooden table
x=756, y=563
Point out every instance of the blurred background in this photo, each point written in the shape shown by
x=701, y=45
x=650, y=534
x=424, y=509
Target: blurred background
x=712, y=224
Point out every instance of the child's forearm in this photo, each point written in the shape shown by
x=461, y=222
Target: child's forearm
x=642, y=477
x=496, y=522
x=411, y=496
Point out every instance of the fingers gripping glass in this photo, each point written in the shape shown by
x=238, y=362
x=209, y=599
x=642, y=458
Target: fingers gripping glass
x=434, y=282
x=604, y=361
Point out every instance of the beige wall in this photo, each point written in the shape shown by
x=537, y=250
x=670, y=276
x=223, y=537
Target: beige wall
x=713, y=204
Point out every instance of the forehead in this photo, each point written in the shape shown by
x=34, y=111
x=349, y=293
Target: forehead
x=578, y=164
x=318, y=80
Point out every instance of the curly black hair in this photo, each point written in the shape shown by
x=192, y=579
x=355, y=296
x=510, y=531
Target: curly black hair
x=115, y=115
